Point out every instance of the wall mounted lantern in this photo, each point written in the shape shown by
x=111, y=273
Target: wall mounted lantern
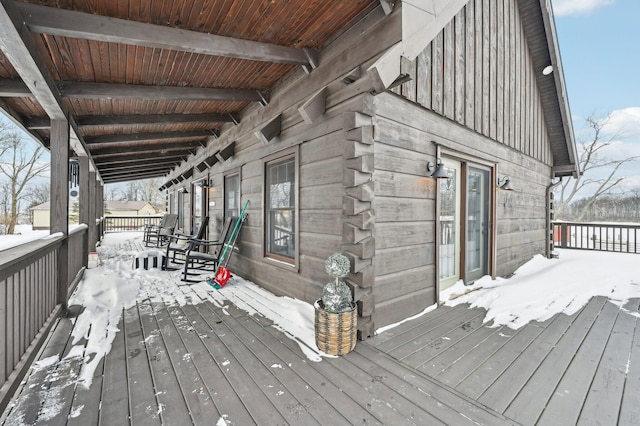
x=504, y=184
x=439, y=172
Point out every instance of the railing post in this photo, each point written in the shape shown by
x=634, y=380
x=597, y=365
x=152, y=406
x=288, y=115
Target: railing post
x=564, y=235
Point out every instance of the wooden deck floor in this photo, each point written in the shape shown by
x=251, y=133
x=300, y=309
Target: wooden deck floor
x=198, y=363
x=580, y=369
x=202, y=363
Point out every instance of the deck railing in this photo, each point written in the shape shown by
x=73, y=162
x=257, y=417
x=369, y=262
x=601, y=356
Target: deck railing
x=29, y=299
x=114, y=223
x=615, y=237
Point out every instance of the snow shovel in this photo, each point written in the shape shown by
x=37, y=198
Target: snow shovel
x=223, y=274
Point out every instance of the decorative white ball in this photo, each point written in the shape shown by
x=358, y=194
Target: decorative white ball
x=337, y=265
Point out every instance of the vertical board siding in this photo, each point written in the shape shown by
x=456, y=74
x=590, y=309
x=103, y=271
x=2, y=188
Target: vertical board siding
x=478, y=72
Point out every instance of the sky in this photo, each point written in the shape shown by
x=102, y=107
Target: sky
x=599, y=43
x=533, y=293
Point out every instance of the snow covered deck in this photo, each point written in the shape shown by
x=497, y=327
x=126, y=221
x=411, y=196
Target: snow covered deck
x=578, y=369
x=140, y=348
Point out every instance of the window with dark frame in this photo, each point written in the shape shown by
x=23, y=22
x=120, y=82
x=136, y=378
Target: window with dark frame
x=280, y=211
x=231, y=195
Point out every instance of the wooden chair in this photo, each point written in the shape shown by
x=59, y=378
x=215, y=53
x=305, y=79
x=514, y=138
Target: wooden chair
x=198, y=261
x=179, y=243
x=159, y=234
x=153, y=228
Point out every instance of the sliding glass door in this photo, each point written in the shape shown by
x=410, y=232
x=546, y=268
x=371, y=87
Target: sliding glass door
x=464, y=215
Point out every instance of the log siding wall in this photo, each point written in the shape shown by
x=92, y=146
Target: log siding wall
x=363, y=188
x=405, y=252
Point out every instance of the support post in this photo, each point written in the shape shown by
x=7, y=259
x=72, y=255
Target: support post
x=93, y=231
x=100, y=206
x=84, y=203
x=60, y=200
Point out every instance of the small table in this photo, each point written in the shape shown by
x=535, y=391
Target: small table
x=149, y=259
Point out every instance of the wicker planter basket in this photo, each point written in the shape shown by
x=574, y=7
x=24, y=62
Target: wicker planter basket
x=336, y=334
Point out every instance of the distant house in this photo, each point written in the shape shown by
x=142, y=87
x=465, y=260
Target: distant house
x=128, y=208
x=40, y=214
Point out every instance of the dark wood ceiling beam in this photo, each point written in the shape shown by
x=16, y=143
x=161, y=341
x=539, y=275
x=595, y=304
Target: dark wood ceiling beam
x=86, y=90
x=11, y=87
x=145, y=170
x=14, y=88
x=113, y=120
x=131, y=176
x=67, y=23
x=146, y=137
x=43, y=123
x=151, y=156
x=159, y=149
x=37, y=123
x=110, y=157
x=140, y=169
x=137, y=165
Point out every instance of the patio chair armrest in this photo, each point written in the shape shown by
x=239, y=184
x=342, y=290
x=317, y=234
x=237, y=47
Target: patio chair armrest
x=178, y=236
x=207, y=243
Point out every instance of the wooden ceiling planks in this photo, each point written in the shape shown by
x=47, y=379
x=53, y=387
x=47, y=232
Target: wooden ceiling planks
x=289, y=23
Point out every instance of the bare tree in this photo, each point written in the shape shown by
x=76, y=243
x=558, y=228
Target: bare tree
x=20, y=166
x=5, y=206
x=592, y=162
x=138, y=190
x=111, y=193
x=149, y=192
x=38, y=194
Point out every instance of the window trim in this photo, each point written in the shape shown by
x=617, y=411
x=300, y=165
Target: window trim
x=229, y=173
x=285, y=262
x=493, y=167
x=204, y=202
x=180, y=200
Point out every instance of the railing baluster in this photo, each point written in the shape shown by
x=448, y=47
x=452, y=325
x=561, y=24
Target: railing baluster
x=593, y=236
x=114, y=223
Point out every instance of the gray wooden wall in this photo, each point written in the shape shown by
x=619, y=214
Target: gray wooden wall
x=474, y=92
x=363, y=185
x=405, y=203
x=478, y=72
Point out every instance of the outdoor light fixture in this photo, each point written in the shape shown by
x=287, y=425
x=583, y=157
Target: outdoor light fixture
x=504, y=184
x=547, y=70
x=439, y=172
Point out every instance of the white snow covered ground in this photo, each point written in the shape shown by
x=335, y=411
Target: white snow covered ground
x=544, y=287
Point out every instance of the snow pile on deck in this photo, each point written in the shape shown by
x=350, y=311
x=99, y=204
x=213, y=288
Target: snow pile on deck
x=114, y=286
x=545, y=287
